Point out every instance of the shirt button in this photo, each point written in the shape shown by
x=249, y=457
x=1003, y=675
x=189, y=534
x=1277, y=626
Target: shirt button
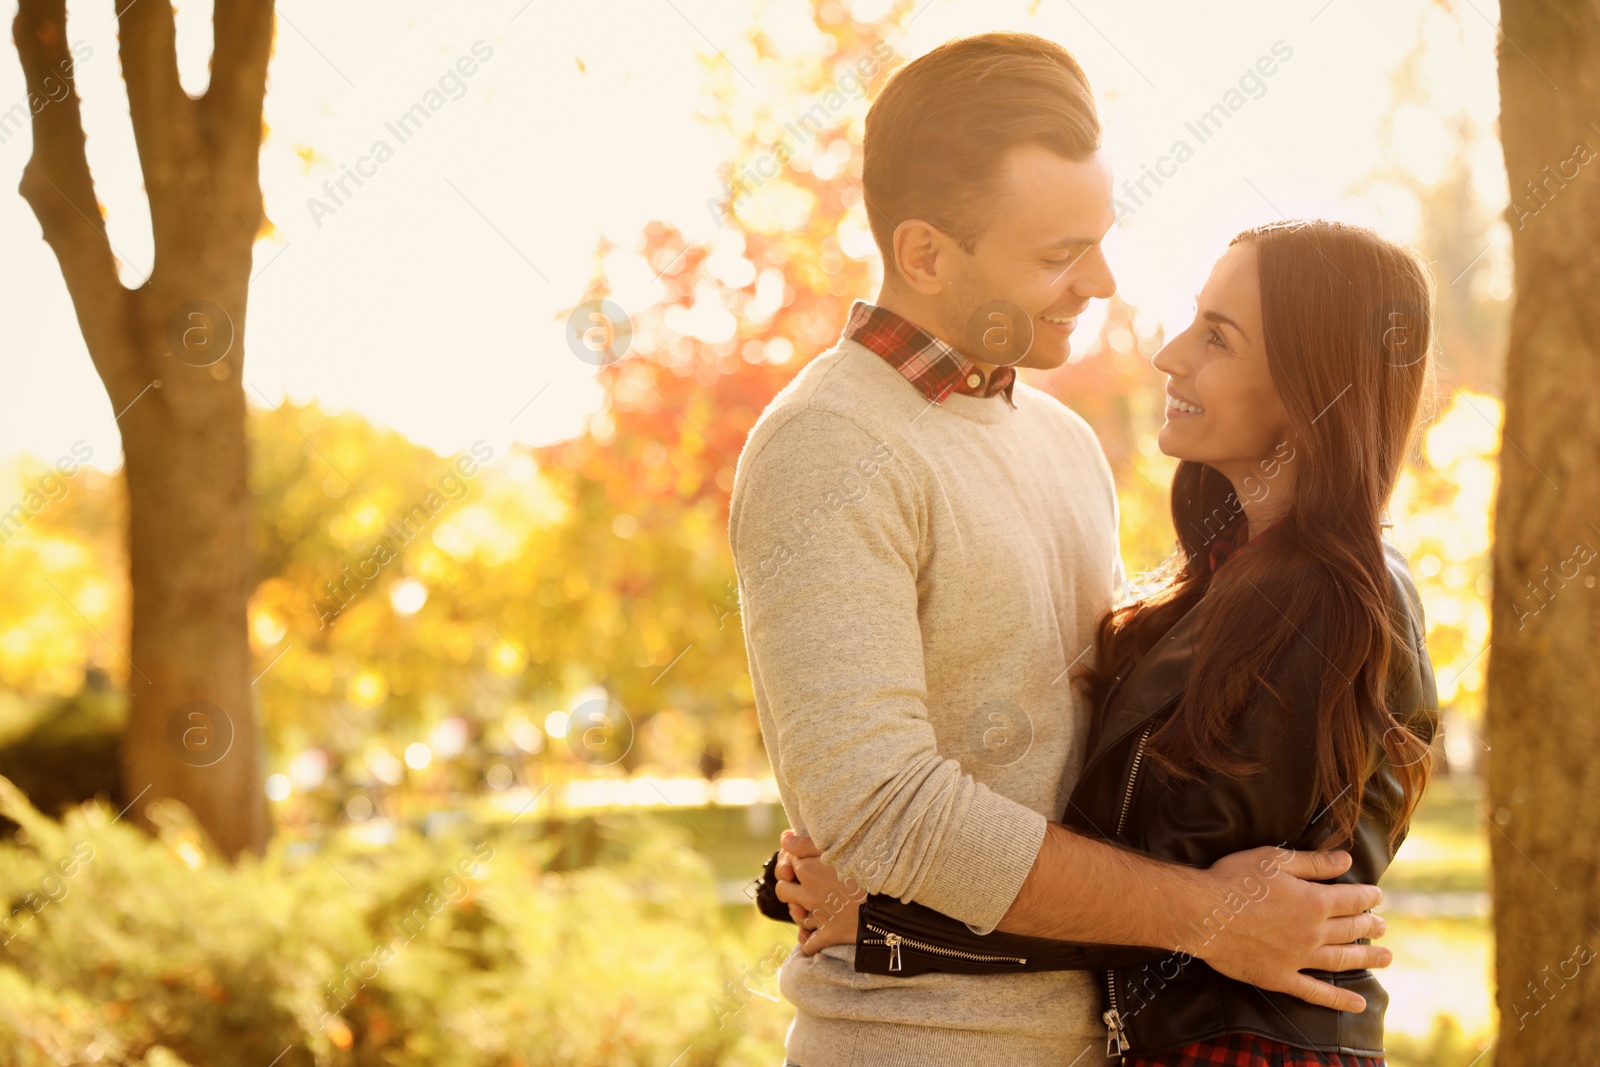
x=974, y=380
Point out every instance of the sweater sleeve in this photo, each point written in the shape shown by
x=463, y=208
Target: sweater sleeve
x=826, y=527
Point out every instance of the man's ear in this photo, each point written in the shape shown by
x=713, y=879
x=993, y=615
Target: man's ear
x=917, y=248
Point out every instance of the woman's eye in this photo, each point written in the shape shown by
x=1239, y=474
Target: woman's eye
x=1215, y=337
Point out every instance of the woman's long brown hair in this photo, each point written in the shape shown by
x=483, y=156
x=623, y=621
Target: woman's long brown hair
x=1347, y=333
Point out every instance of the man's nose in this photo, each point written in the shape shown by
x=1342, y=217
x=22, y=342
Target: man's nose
x=1093, y=278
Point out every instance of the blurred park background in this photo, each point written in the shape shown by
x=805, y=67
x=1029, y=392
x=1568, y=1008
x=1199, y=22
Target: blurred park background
x=535, y=713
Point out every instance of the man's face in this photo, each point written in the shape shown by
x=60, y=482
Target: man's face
x=1016, y=298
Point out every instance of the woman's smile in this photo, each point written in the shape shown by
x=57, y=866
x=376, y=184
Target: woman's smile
x=1179, y=407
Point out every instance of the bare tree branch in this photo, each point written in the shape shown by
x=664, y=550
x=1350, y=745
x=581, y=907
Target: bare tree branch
x=242, y=36
x=163, y=115
x=57, y=184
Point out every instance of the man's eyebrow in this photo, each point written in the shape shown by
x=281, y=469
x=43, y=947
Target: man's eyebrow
x=1068, y=242
x=1217, y=316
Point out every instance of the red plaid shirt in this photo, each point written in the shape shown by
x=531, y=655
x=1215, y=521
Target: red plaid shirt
x=1231, y=539
x=936, y=369
x=1248, y=1050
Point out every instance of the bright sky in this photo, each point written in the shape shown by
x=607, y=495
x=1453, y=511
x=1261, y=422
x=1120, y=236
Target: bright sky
x=430, y=299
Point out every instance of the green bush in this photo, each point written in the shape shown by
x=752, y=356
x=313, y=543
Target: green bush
x=62, y=752
x=462, y=952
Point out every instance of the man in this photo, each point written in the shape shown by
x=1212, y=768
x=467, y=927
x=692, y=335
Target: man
x=924, y=545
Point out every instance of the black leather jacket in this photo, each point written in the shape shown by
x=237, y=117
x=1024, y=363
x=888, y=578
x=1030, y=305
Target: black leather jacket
x=1156, y=999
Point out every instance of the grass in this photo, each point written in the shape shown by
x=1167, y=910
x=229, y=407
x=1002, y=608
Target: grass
x=1441, y=1009
x=1447, y=850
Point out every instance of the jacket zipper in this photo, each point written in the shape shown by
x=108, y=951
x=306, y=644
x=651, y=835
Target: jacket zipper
x=1116, y=1035
x=894, y=941
x=1133, y=776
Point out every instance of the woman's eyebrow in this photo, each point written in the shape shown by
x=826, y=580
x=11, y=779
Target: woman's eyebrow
x=1217, y=316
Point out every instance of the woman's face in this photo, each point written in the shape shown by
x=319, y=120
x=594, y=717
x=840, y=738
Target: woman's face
x=1222, y=408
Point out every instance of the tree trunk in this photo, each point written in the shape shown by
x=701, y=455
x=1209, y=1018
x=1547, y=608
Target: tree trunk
x=1544, y=674
x=170, y=353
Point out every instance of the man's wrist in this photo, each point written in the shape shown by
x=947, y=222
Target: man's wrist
x=1182, y=926
x=1164, y=904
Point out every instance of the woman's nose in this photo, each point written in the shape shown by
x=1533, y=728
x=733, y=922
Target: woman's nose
x=1169, y=359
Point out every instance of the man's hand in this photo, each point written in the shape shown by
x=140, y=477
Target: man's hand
x=822, y=906
x=1269, y=920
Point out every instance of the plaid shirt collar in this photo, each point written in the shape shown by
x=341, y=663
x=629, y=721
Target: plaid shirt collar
x=1233, y=539
x=936, y=369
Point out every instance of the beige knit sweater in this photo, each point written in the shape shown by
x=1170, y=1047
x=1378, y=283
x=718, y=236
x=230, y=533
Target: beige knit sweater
x=914, y=580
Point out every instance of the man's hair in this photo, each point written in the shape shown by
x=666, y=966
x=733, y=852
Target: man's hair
x=939, y=130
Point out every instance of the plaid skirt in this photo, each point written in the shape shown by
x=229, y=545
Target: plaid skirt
x=1248, y=1050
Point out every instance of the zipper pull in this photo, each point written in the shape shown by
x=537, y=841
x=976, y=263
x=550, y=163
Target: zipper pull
x=1116, y=1037
x=893, y=941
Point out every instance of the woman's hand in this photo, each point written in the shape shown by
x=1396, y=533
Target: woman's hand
x=824, y=907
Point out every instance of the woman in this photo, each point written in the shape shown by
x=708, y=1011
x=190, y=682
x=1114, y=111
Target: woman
x=1274, y=689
